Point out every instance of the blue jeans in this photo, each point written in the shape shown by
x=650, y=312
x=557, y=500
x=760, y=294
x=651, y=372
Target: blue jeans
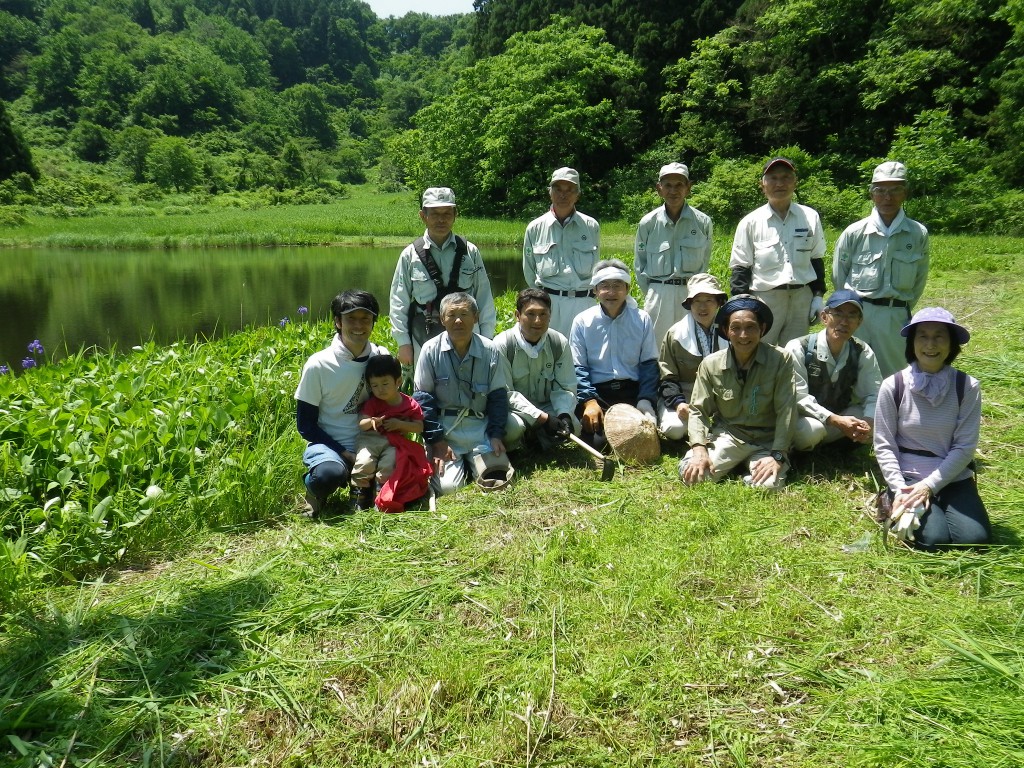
x=956, y=516
x=326, y=470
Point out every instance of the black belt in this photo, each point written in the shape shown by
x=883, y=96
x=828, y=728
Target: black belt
x=886, y=302
x=570, y=294
x=916, y=452
x=670, y=281
x=790, y=287
x=457, y=411
x=616, y=384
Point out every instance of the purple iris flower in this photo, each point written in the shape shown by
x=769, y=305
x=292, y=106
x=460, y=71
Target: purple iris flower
x=28, y=362
x=303, y=310
x=284, y=322
x=4, y=370
x=36, y=347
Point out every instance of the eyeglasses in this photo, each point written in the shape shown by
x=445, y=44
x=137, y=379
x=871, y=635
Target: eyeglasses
x=888, y=191
x=848, y=317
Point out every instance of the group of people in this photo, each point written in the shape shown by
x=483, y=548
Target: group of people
x=740, y=381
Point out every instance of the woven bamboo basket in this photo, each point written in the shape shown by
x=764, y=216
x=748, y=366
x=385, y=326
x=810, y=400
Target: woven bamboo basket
x=633, y=437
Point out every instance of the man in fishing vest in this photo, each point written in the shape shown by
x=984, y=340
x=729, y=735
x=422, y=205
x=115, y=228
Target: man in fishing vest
x=433, y=266
x=837, y=377
x=539, y=372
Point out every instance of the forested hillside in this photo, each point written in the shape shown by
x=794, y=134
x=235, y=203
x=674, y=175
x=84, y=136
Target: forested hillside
x=252, y=102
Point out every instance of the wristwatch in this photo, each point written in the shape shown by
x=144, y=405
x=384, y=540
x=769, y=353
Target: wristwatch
x=779, y=456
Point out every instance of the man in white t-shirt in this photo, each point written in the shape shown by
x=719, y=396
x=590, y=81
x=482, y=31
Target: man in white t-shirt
x=330, y=391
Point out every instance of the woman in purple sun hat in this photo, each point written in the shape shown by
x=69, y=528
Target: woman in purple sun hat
x=926, y=432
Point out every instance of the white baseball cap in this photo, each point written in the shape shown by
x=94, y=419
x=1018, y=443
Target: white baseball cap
x=890, y=171
x=566, y=174
x=677, y=169
x=438, y=197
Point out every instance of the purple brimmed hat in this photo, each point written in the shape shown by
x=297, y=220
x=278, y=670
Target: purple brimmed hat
x=938, y=315
x=738, y=304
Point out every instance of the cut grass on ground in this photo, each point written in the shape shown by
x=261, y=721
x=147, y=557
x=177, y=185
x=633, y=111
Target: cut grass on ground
x=565, y=622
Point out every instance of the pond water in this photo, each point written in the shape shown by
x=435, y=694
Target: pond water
x=73, y=299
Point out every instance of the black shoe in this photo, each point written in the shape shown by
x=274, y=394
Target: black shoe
x=365, y=499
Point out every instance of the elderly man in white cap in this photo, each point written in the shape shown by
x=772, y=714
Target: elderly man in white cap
x=613, y=351
x=884, y=258
x=685, y=345
x=560, y=250
x=777, y=255
x=673, y=243
x=433, y=266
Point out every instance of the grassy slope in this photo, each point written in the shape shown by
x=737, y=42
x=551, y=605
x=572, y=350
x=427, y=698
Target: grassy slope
x=565, y=622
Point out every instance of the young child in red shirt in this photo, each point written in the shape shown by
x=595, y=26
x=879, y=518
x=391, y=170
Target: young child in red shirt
x=383, y=453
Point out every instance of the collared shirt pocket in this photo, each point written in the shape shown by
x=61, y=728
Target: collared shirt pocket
x=544, y=254
x=866, y=271
x=728, y=403
x=468, y=274
x=905, y=266
x=584, y=256
x=768, y=254
x=422, y=288
x=691, y=251
x=659, y=259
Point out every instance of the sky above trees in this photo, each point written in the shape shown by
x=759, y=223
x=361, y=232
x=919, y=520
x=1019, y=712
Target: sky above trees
x=385, y=8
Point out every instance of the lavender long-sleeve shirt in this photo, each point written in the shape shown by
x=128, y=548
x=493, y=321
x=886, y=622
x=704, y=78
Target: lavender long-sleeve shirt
x=948, y=429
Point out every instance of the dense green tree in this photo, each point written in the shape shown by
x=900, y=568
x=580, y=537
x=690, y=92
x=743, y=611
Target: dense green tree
x=291, y=166
x=235, y=47
x=655, y=33
x=309, y=114
x=15, y=155
x=835, y=76
x=1006, y=122
x=90, y=141
x=192, y=85
x=559, y=96
x=106, y=86
x=285, y=60
x=132, y=146
x=171, y=164
x=18, y=35
x=55, y=70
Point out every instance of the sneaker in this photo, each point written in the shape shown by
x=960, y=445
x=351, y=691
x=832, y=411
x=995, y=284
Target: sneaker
x=365, y=499
x=314, y=504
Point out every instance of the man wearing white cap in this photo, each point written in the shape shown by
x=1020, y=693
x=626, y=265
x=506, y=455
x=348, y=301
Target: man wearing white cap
x=433, y=266
x=884, y=258
x=613, y=351
x=777, y=255
x=673, y=243
x=560, y=250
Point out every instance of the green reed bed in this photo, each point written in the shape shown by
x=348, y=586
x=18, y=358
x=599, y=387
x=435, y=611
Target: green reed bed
x=563, y=622
x=367, y=217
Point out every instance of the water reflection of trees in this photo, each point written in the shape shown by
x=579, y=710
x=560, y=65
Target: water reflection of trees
x=71, y=299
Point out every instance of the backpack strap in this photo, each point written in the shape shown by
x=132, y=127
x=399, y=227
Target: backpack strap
x=961, y=387
x=810, y=345
x=512, y=346
x=461, y=249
